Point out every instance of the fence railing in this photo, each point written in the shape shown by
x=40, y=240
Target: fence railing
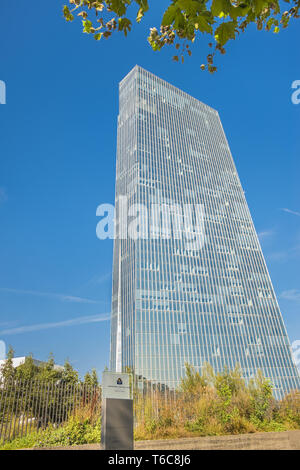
x=31, y=405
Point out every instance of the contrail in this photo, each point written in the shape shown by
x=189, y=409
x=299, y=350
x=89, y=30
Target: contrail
x=45, y=326
x=63, y=297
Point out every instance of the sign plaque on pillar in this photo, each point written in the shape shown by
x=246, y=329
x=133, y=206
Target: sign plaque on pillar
x=117, y=411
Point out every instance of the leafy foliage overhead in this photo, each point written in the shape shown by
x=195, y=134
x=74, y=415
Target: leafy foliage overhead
x=185, y=20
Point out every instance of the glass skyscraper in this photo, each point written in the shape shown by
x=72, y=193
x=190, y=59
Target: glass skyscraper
x=190, y=283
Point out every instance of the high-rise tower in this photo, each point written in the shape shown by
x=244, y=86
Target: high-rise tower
x=190, y=283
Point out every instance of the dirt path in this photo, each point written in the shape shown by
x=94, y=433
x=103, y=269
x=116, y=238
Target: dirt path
x=288, y=440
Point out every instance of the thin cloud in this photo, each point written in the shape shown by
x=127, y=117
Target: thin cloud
x=289, y=211
x=5, y=324
x=3, y=195
x=62, y=297
x=293, y=252
x=98, y=279
x=277, y=255
x=291, y=294
x=101, y=279
x=65, y=323
x=265, y=234
x=2, y=350
x=296, y=352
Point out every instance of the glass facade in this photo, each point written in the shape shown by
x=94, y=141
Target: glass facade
x=175, y=302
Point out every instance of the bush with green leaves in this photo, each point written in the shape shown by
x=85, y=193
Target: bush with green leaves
x=205, y=404
x=81, y=428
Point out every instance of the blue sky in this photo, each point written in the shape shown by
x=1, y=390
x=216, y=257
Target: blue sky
x=57, y=164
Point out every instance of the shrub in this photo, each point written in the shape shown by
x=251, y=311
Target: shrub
x=79, y=429
x=206, y=405
x=214, y=404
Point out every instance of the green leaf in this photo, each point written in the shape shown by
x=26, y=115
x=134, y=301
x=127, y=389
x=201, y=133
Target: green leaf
x=203, y=23
x=269, y=24
x=118, y=6
x=67, y=14
x=220, y=6
x=170, y=15
x=98, y=36
x=124, y=25
x=143, y=8
x=225, y=31
x=87, y=25
x=191, y=7
x=180, y=21
x=236, y=12
x=140, y=15
x=259, y=6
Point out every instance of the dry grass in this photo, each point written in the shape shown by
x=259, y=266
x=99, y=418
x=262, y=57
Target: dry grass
x=211, y=405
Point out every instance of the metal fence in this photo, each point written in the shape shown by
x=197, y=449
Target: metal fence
x=31, y=405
